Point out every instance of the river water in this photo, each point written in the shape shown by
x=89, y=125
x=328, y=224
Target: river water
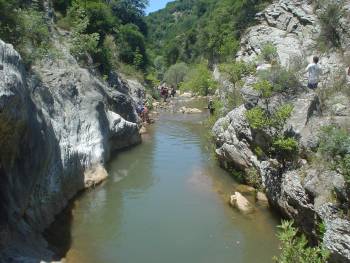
x=166, y=201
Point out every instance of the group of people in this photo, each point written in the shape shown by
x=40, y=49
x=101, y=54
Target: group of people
x=165, y=92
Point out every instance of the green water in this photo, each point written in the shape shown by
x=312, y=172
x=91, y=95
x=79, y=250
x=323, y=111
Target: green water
x=167, y=201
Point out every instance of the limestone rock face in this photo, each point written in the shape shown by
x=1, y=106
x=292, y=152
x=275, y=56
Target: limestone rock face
x=58, y=127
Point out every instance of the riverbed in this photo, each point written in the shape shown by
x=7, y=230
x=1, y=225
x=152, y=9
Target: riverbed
x=166, y=200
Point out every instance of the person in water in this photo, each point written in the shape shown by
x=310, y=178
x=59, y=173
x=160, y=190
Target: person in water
x=314, y=70
x=172, y=92
x=211, y=107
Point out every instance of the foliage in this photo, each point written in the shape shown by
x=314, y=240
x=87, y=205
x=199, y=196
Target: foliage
x=269, y=53
x=199, y=80
x=286, y=148
x=330, y=25
x=257, y=118
x=335, y=149
x=95, y=24
x=190, y=30
x=176, y=74
x=295, y=249
x=265, y=88
x=283, y=147
x=281, y=79
x=237, y=70
x=252, y=177
x=32, y=34
x=281, y=115
x=81, y=42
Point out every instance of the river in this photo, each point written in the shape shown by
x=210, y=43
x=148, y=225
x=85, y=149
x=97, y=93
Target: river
x=165, y=200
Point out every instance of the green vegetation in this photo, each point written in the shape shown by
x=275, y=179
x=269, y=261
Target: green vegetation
x=176, y=74
x=283, y=147
x=237, y=70
x=335, y=149
x=199, y=80
x=25, y=27
x=280, y=78
x=111, y=32
x=295, y=249
x=200, y=33
x=188, y=30
x=269, y=53
x=330, y=24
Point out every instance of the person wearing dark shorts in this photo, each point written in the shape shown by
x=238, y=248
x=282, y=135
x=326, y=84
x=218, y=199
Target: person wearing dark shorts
x=314, y=70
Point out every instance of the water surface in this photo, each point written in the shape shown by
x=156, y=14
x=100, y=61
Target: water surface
x=167, y=201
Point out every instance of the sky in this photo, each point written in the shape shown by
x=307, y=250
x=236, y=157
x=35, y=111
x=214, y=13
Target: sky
x=155, y=5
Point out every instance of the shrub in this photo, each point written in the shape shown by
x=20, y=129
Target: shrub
x=330, y=24
x=176, y=74
x=335, y=149
x=257, y=118
x=295, y=249
x=237, y=70
x=281, y=115
x=269, y=53
x=81, y=43
x=286, y=148
x=280, y=78
x=199, y=80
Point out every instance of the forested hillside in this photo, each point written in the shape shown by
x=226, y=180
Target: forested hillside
x=192, y=32
x=111, y=32
x=187, y=30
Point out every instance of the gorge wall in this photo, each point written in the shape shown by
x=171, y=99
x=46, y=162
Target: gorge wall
x=59, y=125
x=307, y=192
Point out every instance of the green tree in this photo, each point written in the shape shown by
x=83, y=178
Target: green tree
x=176, y=74
x=199, y=80
x=295, y=249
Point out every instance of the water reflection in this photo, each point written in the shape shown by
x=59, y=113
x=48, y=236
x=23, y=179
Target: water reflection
x=166, y=201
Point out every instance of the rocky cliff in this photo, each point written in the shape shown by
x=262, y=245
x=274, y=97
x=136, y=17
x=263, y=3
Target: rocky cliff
x=59, y=125
x=305, y=192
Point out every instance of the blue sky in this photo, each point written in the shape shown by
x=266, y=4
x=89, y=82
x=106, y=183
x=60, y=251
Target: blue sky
x=155, y=5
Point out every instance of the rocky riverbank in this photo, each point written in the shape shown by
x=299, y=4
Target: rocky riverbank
x=59, y=123
x=309, y=193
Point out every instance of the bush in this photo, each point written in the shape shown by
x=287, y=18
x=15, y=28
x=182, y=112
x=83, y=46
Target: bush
x=330, y=25
x=269, y=53
x=281, y=115
x=237, y=70
x=176, y=74
x=81, y=43
x=199, y=80
x=335, y=149
x=280, y=78
x=257, y=118
x=295, y=249
x=286, y=148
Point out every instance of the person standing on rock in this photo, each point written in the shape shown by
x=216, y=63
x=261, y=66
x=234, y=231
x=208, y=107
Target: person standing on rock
x=314, y=70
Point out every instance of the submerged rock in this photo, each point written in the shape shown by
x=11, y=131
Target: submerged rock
x=186, y=110
x=241, y=203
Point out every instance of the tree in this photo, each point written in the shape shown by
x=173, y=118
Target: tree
x=176, y=74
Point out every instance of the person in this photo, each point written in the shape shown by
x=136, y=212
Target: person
x=139, y=109
x=173, y=92
x=211, y=107
x=314, y=70
x=145, y=114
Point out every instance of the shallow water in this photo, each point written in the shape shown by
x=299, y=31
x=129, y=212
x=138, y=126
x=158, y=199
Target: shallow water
x=167, y=201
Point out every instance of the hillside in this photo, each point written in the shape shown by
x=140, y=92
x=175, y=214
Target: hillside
x=188, y=30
